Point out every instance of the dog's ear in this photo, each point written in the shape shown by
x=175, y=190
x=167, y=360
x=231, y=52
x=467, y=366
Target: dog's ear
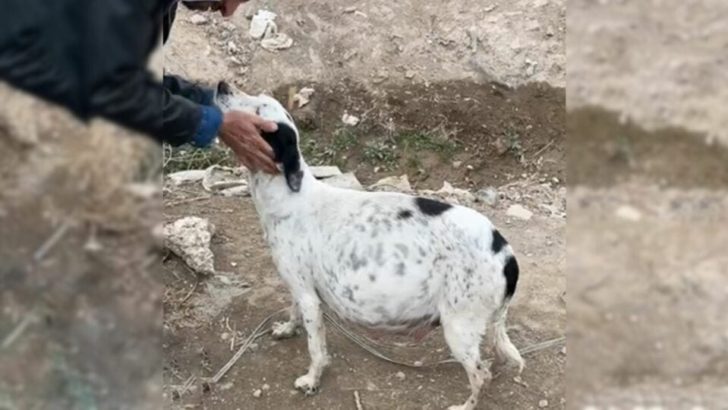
x=223, y=88
x=285, y=147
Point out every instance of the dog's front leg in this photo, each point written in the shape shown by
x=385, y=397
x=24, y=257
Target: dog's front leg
x=313, y=321
x=285, y=330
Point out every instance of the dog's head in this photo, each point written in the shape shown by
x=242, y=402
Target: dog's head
x=284, y=141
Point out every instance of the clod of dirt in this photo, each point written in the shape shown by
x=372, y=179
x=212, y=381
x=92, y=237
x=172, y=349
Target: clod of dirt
x=199, y=19
x=349, y=119
x=400, y=375
x=543, y=403
x=519, y=212
x=189, y=238
x=260, y=23
x=392, y=184
x=303, y=96
x=488, y=196
x=185, y=177
x=348, y=181
x=628, y=213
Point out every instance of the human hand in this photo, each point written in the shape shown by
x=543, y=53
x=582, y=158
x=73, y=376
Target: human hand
x=241, y=132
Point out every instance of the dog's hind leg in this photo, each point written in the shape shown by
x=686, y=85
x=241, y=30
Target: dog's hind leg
x=463, y=334
x=285, y=330
x=313, y=321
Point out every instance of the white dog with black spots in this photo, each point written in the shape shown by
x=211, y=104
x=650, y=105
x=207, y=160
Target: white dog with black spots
x=383, y=260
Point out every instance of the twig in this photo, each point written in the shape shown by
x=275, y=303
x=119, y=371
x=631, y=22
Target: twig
x=51, y=241
x=545, y=147
x=186, y=201
x=258, y=332
x=15, y=334
x=194, y=288
x=357, y=400
x=187, y=384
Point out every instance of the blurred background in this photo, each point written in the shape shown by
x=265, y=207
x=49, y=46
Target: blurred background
x=648, y=204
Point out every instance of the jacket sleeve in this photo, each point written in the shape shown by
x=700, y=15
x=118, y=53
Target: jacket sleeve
x=91, y=57
x=122, y=89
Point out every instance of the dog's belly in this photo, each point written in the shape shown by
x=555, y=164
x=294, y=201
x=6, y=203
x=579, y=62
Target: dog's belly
x=379, y=298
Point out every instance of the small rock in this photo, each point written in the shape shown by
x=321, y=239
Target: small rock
x=189, y=238
x=520, y=212
x=225, y=386
x=628, y=213
x=199, y=19
x=400, y=375
x=265, y=386
x=325, y=172
x=488, y=196
x=349, y=119
x=225, y=336
x=228, y=25
x=563, y=350
x=457, y=164
x=409, y=74
x=232, y=48
x=233, y=264
x=235, y=60
x=257, y=393
x=347, y=181
x=240, y=191
x=469, y=167
x=392, y=184
x=543, y=403
x=418, y=363
x=350, y=9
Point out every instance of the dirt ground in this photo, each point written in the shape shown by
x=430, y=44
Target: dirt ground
x=647, y=203
x=478, y=110
x=80, y=292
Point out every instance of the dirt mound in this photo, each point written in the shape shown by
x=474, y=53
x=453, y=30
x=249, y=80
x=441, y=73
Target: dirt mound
x=467, y=133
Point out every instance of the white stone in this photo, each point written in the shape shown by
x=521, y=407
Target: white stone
x=257, y=393
x=628, y=213
x=189, y=238
x=392, y=184
x=348, y=181
x=199, y=19
x=488, y=196
x=519, y=212
x=349, y=119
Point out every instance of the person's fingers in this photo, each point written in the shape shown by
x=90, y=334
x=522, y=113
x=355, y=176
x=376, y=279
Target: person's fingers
x=268, y=126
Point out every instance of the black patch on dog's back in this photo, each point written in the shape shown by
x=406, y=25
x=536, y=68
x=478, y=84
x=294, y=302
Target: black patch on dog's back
x=431, y=207
x=498, y=241
x=510, y=271
x=404, y=214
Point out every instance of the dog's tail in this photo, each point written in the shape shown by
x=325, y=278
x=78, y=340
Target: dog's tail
x=504, y=348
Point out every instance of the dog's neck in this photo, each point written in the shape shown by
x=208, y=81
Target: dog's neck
x=273, y=196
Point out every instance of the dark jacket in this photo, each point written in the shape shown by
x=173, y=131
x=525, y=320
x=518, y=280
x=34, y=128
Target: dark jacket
x=91, y=57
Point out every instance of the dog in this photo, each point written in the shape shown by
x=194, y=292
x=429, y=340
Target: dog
x=384, y=260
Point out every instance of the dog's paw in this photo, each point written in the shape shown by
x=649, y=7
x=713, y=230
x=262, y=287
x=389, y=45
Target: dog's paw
x=284, y=330
x=307, y=385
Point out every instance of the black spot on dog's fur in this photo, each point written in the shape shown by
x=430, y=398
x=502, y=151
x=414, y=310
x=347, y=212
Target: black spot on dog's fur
x=285, y=149
x=510, y=271
x=431, y=207
x=372, y=278
x=498, y=242
x=400, y=269
x=404, y=214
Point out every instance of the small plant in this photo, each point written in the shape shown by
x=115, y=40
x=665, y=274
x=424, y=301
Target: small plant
x=513, y=142
x=186, y=158
x=427, y=141
x=380, y=153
